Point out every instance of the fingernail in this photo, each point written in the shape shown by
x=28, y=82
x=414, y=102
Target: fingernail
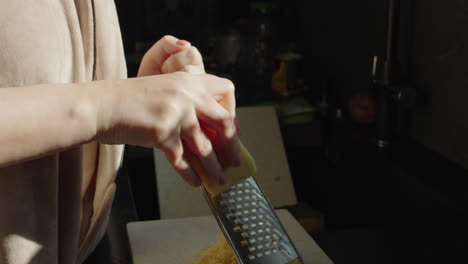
x=196, y=181
x=236, y=123
x=183, y=43
x=222, y=179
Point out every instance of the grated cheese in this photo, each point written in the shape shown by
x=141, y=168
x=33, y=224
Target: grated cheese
x=218, y=253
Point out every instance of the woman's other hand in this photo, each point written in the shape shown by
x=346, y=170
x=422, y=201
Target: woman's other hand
x=165, y=111
x=171, y=54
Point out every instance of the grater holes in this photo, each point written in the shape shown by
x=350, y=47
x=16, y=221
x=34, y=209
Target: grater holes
x=275, y=236
x=250, y=221
x=274, y=242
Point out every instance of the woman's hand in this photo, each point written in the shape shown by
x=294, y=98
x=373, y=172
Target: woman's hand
x=171, y=54
x=165, y=111
x=170, y=111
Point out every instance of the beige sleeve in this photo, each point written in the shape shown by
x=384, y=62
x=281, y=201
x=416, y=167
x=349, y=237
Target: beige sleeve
x=100, y=166
x=101, y=162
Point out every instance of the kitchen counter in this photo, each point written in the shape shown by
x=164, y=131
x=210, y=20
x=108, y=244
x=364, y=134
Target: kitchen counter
x=176, y=241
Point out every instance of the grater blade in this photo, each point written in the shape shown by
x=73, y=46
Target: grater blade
x=250, y=225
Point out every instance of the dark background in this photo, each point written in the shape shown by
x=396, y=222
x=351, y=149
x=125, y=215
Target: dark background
x=399, y=204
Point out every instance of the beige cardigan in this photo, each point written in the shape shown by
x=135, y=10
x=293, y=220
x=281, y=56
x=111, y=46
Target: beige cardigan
x=55, y=209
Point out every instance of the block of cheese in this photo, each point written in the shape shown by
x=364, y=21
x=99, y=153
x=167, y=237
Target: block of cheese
x=234, y=175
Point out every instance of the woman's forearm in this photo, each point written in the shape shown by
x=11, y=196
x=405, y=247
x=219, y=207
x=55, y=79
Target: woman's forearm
x=39, y=120
x=162, y=111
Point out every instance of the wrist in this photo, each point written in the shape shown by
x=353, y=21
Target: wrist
x=99, y=107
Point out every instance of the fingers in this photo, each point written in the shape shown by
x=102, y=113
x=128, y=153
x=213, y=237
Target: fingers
x=224, y=138
x=175, y=156
x=223, y=91
x=159, y=52
x=228, y=100
x=196, y=142
x=167, y=46
x=216, y=110
x=189, y=60
x=193, y=69
x=187, y=128
x=181, y=144
x=170, y=143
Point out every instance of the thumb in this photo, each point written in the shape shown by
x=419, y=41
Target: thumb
x=159, y=52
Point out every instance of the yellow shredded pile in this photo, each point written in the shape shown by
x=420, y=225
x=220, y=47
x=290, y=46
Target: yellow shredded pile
x=219, y=253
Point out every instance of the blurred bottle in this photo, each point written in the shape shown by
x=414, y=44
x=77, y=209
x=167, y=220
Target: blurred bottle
x=285, y=79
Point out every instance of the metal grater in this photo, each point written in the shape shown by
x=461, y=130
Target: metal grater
x=251, y=226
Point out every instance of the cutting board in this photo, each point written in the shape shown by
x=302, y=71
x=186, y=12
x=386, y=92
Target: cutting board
x=176, y=241
x=261, y=134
